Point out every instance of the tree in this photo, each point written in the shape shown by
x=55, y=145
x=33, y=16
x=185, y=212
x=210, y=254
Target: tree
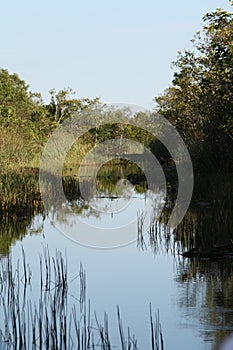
x=63, y=104
x=16, y=101
x=200, y=101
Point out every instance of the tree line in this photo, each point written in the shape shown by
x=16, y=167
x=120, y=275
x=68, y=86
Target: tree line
x=199, y=103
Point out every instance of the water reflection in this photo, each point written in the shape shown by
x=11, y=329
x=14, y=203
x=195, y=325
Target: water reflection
x=204, y=278
x=20, y=203
x=21, y=200
x=206, y=231
x=103, y=214
x=206, y=289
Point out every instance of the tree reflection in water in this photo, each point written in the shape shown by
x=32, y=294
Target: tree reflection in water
x=204, y=276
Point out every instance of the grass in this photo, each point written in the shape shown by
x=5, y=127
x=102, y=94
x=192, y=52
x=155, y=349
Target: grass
x=51, y=321
x=20, y=201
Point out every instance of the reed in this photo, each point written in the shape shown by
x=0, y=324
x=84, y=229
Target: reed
x=140, y=230
x=52, y=321
x=157, y=342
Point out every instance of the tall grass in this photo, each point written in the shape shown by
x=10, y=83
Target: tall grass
x=51, y=321
x=20, y=202
x=17, y=147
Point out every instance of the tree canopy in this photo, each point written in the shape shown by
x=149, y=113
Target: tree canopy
x=16, y=101
x=200, y=100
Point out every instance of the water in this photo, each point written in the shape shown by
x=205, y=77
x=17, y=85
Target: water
x=194, y=297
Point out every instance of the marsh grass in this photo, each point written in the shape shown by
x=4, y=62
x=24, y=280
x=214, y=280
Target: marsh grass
x=20, y=202
x=56, y=319
x=15, y=147
x=158, y=237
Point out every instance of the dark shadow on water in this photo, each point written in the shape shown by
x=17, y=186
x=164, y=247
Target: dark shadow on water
x=202, y=244
x=20, y=202
x=205, y=267
x=207, y=229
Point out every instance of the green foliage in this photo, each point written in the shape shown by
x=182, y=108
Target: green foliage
x=200, y=101
x=63, y=104
x=24, y=121
x=15, y=100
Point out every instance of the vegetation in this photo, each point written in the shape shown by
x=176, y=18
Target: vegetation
x=57, y=319
x=200, y=101
x=20, y=202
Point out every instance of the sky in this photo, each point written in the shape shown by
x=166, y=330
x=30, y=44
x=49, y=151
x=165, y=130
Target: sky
x=118, y=50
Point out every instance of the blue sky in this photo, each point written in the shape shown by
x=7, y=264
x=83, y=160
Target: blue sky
x=118, y=50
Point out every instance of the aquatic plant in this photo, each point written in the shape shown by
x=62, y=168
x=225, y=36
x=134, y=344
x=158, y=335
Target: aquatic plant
x=37, y=312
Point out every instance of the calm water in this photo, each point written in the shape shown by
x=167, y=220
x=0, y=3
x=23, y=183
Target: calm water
x=194, y=296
